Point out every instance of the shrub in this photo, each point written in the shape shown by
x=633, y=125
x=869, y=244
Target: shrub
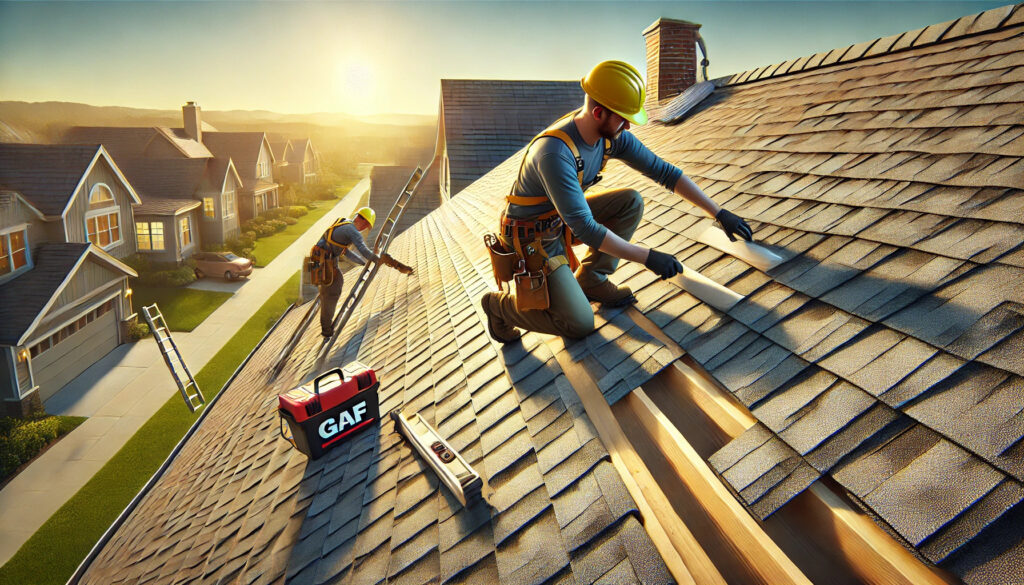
x=275, y=213
x=178, y=276
x=297, y=210
x=253, y=225
x=277, y=224
x=137, y=331
x=265, y=229
x=20, y=440
x=290, y=220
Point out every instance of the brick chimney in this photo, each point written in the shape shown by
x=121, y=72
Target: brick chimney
x=671, y=59
x=193, y=123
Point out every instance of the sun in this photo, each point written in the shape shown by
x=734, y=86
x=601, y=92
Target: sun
x=356, y=87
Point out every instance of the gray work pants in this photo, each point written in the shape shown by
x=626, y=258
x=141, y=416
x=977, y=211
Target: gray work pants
x=570, y=313
x=329, y=296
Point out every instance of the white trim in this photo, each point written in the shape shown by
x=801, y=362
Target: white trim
x=27, y=203
x=38, y=338
x=112, y=208
x=181, y=233
x=149, y=230
x=110, y=160
x=12, y=363
x=91, y=250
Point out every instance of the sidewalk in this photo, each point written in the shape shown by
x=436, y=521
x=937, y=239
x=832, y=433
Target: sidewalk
x=123, y=390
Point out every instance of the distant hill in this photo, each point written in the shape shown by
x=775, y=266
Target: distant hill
x=346, y=140
x=46, y=121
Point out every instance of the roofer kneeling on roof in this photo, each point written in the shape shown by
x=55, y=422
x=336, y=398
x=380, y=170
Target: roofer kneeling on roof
x=532, y=248
x=324, y=271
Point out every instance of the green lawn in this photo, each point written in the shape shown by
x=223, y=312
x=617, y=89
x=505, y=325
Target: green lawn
x=53, y=553
x=183, y=308
x=266, y=249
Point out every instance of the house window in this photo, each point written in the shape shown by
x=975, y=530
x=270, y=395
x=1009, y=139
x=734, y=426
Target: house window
x=150, y=235
x=229, y=204
x=103, y=220
x=208, y=209
x=13, y=251
x=185, y=231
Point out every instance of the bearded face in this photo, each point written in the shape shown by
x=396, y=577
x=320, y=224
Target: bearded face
x=611, y=125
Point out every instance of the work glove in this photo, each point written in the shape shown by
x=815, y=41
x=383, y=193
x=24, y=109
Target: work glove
x=389, y=260
x=733, y=225
x=662, y=264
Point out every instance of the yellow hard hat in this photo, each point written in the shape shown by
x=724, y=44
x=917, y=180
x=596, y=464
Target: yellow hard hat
x=367, y=214
x=617, y=85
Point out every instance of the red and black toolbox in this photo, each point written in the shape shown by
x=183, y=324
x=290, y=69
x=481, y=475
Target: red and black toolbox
x=330, y=409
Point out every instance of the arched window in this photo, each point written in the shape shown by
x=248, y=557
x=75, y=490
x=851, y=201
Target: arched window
x=101, y=197
x=103, y=220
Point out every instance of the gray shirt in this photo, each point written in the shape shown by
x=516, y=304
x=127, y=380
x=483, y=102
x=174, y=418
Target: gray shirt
x=550, y=170
x=348, y=235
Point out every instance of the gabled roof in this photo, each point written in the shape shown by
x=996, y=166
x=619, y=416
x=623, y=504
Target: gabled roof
x=878, y=349
x=486, y=121
x=386, y=184
x=133, y=142
x=165, y=178
x=25, y=299
x=280, y=149
x=185, y=143
x=48, y=175
x=296, y=153
x=242, y=147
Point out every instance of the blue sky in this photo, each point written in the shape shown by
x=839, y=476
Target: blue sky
x=388, y=57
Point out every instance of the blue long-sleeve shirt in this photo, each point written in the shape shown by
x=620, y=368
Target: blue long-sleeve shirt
x=348, y=235
x=550, y=169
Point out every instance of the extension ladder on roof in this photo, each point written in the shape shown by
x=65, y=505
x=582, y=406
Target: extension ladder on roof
x=172, y=357
x=380, y=246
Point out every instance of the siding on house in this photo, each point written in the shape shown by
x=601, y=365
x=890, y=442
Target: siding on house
x=74, y=220
x=90, y=278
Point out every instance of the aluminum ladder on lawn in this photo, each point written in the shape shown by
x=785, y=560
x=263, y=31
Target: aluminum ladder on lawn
x=172, y=357
x=380, y=246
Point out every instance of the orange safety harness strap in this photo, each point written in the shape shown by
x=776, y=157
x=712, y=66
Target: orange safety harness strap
x=540, y=200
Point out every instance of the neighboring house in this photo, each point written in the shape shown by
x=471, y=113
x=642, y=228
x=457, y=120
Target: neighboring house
x=176, y=166
x=303, y=162
x=876, y=343
x=483, y=122
x=386, y=184
x=66, y=218
x=254, y=162
x=186, y=202
x=281, y=149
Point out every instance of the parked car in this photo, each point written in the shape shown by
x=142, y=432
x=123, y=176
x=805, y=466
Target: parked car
x=222, y=263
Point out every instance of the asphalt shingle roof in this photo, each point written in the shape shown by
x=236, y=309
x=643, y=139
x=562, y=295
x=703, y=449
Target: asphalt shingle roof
x=487, y=121
x=22, y=298
x=45, y=174
x=882, y=351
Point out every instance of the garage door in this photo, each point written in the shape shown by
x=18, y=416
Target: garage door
x=59, y=364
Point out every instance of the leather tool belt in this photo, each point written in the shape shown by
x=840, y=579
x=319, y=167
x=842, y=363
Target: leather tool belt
x=526, y=263
x=321, y=266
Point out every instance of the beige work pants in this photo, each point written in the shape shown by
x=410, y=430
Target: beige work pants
x=329, y=296
x=570, y=313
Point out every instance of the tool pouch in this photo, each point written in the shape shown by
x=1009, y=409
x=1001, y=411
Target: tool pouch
x=503, y=262
x=320, y=269
x=531, y=281
x=532, y=290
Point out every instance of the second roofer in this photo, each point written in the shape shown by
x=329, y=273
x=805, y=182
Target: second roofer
x=339, y=240
x=547, y=211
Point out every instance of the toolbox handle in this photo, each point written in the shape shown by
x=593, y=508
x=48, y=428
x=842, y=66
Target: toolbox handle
x=287, y=437
x=316, y=382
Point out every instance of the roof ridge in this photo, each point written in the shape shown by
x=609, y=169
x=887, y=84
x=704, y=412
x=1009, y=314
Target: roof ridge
x=1000, y=18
